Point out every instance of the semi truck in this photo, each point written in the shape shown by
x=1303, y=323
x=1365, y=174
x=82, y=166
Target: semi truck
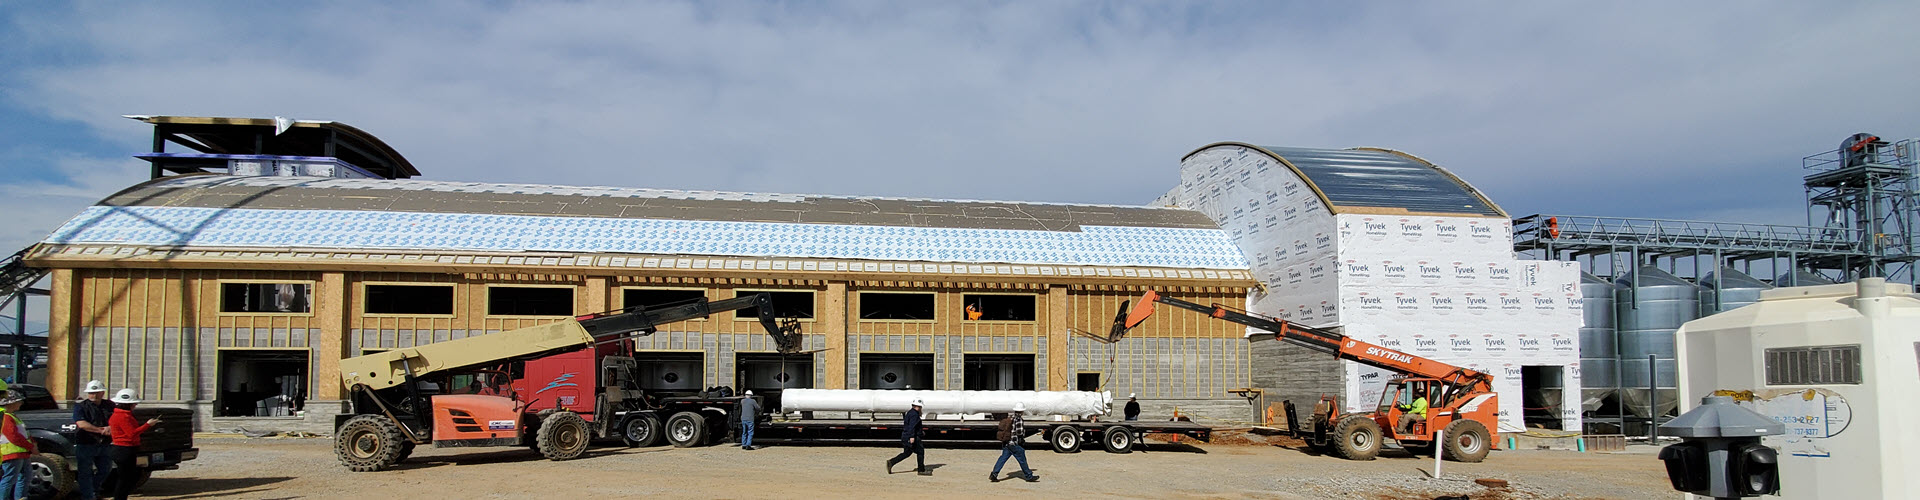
x=474, y=392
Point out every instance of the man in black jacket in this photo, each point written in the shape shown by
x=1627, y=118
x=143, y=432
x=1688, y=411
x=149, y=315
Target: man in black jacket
x=912, y=442
x=1133, y=407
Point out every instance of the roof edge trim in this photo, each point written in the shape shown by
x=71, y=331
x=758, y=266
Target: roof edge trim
x=1322, y=195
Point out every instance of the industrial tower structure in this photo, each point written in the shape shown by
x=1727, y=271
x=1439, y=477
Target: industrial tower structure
x=1861, y=211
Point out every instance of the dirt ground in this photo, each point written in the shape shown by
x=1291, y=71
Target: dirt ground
x=241, y=468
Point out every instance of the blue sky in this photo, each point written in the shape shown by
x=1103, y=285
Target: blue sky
x=1696, y=110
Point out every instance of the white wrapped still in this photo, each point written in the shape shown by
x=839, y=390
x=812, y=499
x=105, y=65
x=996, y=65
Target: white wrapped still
x=1072, y=403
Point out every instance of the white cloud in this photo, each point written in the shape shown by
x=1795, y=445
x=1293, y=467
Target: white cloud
x=1541, y=105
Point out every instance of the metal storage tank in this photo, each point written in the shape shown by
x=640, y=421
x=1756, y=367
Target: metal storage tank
x=1651, y=308
x=1599, y=354
x=1730, y=289
x=1800, y=277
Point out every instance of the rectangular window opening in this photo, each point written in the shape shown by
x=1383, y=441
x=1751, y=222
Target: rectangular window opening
x=265, y=298
x=409, y=299
x=998, y=372
x=262, y=383
x=529, y=301
x=896, y=306
x=795, y=305
x=659, y=297
x=896, y=371
x=986, y=307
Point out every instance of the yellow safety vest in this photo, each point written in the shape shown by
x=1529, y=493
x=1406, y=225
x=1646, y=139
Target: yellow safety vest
x=8, y=447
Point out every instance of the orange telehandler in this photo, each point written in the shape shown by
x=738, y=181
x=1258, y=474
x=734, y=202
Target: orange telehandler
x=1460, y=401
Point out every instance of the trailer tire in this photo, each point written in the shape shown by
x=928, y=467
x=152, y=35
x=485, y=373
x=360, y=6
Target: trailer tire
x=368, y=443
x=49, y=476
x=1065, y=439
x=1467, y=441
x=1357, y=438
x=1117, y=439
x=641, y=431
x=563, y=435
x=686, y=429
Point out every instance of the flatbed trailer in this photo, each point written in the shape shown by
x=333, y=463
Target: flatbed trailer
x=1063, y=437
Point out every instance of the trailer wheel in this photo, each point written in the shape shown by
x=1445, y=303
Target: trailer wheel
x=641, y=431
x=1357, y=438
x=686, y=429
x=1065, y=439
x=562, y=436
x=1117, y=439
x=49, y=476
x=1467, y=441
x=368, y=443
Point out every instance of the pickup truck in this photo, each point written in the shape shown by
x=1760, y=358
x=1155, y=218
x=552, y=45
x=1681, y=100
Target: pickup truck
x=50, y=425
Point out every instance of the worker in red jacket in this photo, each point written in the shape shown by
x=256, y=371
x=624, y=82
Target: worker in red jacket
x=126, y=440
x=15, y=447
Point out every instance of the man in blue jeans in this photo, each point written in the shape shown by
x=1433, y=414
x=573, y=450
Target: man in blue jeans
x=1013, y=430
x=92, y=442
x=749, y=411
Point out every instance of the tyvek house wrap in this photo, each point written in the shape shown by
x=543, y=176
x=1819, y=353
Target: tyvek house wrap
x=1443, y=287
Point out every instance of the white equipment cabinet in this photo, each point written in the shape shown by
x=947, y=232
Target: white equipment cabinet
x=1839, y=365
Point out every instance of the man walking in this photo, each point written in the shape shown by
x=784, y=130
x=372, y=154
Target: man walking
x=749, y=411
x=92, y=442
x=1013, y=431
x=912, y=443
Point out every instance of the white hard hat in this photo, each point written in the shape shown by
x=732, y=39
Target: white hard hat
x=125, y=396
x=916, y=402
x=1132, y=395
x=749, y=392
x=95, y=386
x=1019, y=407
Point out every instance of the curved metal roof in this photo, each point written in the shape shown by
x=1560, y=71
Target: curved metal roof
x=1374, y=180
x=221, y=135
x=303, y=212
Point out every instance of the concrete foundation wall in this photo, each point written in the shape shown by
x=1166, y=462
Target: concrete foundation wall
x=1287, y=372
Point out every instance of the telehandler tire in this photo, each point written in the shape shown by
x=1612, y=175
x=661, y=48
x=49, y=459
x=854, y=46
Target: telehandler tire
x=1467, y=441
x=686, y=429
x=368, y=443
x=1356, y=437
x=562, y=436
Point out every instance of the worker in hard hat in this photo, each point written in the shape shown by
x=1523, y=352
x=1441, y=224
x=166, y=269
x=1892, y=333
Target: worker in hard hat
x=126, y=440
x=749, y=411
x=1415, y=412
x=1133, y=406
x=973, y=312
x=913, y=442
x=15, y=447
x=1012, y=433
x=92, y=443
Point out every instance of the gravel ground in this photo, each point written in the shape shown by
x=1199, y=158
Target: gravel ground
x=235, y=468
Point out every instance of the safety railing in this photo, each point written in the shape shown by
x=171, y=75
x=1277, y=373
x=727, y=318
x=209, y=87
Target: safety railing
x=1566, y=231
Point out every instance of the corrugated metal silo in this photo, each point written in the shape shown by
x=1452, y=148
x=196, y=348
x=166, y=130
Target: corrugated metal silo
x=1651, y=308
x=1726, y=289
x=1800, y=277
x=1599, y=355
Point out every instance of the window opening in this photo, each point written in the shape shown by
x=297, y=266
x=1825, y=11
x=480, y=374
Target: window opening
x=409, y=299
x=262, y=383
x=896, y=306
x=264, y=298
x=985, y=307
x=529, y=301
